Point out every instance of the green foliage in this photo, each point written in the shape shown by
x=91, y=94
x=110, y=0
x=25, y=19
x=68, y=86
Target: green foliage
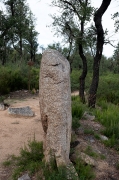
x=89, y=131
x=17, y=82
x=108, y=88
x=22, y=44
x=16, y=78
x=109, y=118
x=77, y=111
x=35, y=78
x=77, y=107
x=116, y=18
x=53, y=173
x=4, y=80
x=29, y=160
x=75, y=122
x=7, y=163
x=90, y=152
x=97, y=136
x=117, y=166
x=75, y=80
x=112, y=142
x=2, y=98
x=84, y=171
x=68, y=22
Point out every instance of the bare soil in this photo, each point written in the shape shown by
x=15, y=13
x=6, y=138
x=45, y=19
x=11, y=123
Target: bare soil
x=15, y=132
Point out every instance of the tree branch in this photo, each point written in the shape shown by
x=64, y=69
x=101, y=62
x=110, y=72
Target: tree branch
x=74, y=9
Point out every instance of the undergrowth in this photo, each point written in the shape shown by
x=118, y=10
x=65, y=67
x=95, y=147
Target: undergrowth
x=17, y=77
x=108, y=116
x=77, y=111
x=31, y=161
x=84, y=171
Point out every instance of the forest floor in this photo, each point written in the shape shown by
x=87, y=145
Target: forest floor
x=15, y=132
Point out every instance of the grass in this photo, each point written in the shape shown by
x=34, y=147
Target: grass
x=31, y=161
x=77, y=111
x=89, y=151
x=97, y=136
x=89, y=131
x=108, y=116
x=117, y=166
x=84, y=171
x=108, y=88
x=53, y=173
x=75, y=80
x=7, y=163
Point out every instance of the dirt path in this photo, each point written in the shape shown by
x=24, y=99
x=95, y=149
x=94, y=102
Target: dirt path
x=16, y=131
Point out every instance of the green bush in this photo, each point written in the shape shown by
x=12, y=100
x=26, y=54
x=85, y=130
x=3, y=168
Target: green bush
x=30, y=159
x=75, y=80
x=53, y=173
x=77, y=111
x=77, y=107
x=4, y=80
x=17, y=81
x=84, y=171
x=35, y=78
x=109, y=118
x=16, y=78
x=108, y=89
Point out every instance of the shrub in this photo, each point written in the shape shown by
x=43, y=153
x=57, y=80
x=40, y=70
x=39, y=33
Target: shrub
x=108, y=88
x=29, y=160
x=75, y=80
x=77, y=111
x=16, y=78
x=84, y=171
x=109, y=118
x=4, y=80
x=77, y=107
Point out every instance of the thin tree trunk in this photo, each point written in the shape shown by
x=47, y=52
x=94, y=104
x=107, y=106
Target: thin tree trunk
x=20, y=46
x=100, y=41
x=83, y=75
x=84, y=61
x=31, y=52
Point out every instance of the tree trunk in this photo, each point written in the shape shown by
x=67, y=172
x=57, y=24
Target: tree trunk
x=31, y=52
x=100, y=41
x=83, y=75
x=84, y=61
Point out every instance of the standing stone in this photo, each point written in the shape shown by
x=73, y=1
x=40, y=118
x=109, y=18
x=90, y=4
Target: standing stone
x=55, y=106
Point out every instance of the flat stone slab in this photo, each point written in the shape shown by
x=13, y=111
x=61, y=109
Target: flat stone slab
x=22, y=111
